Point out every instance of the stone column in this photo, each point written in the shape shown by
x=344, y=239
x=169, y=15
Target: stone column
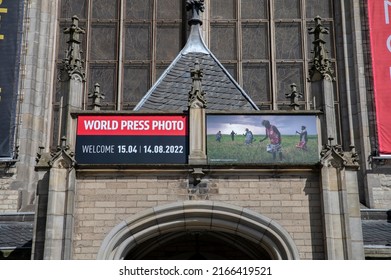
x=57, y=192
x=341, y=211
x=56, y=211
x=341, y=207
x=58, y=167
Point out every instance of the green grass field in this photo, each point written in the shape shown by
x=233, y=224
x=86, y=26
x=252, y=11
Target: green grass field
x=228, y=151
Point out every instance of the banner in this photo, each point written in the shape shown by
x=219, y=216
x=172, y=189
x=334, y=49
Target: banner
x=258, y=139
x=11, y=23
x=135, y=139
x=379, y=14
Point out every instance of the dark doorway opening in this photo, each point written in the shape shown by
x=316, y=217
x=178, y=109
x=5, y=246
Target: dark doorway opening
x=198, y=245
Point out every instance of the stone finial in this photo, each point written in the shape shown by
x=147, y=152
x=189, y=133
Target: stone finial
x=63, y=152
x=321, y=64
x=196, y=94
x=96, y=96
x=72, y=61
x=62, y=147
x=294, y=96
x=196, y=6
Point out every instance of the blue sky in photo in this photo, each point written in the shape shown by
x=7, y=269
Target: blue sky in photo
x=286, y=124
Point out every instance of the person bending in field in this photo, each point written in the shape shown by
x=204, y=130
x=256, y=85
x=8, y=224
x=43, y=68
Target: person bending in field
x=303, y=138
x=274, y=136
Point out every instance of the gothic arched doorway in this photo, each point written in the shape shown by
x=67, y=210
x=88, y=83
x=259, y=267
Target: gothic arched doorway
x=198, y=230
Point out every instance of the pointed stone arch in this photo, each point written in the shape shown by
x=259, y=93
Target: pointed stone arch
x=196, y=216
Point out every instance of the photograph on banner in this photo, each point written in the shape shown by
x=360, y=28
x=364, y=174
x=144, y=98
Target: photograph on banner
x=257, y=139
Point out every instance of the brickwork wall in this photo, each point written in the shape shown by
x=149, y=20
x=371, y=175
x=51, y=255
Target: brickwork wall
x=293, y=202
x=101, y=204
x=9, y=201
x=8, y=197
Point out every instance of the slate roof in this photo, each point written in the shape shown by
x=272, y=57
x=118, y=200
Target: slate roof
x=376, y=227
x=16, y=235
x=16, y=230
x=171, y=92
x=376, y=233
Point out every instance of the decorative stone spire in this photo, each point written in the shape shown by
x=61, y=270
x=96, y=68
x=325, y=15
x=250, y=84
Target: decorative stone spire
x=96, y=96
x=196, y=94
x=196, y=6
x=294, y=97
x=321, y=64
x=72, y=61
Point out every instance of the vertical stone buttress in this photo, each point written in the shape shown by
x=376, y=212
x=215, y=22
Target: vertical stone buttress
x=57, y=168
x=341, y=208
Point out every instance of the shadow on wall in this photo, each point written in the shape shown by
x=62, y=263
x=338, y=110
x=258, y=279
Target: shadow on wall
x=316, y=222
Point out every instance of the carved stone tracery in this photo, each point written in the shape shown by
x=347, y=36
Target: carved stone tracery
x=334, y=155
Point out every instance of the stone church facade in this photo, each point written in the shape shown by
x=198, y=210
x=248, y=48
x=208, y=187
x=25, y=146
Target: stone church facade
x=197, y=209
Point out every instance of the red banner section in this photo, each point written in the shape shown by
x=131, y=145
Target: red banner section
x=167, y=125
x=379, y=13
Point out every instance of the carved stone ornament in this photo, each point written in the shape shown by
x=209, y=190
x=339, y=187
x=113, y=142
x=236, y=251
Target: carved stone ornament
x=333, y=155
x=196, y=6
x=320, y=65
x=96, y=96
x=72, y=62
x=294, y=96
x=198, y=188
x=196, y=94
x=63, y=157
